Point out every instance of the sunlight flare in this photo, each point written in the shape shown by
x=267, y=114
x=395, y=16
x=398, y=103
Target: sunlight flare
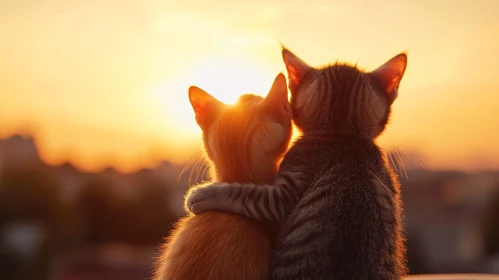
x=226, y=79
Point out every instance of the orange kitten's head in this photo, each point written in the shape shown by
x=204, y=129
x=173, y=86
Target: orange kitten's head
x=245, y=141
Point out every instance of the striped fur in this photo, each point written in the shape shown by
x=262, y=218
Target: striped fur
x=244, y=142
x=335, y=191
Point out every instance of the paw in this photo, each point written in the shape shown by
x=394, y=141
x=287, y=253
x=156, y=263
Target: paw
x=201, y=199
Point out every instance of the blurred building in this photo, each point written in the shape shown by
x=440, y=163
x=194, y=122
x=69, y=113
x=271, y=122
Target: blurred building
x=106, y=262
x=445, y=209
x=109, y=224
x=18, y=150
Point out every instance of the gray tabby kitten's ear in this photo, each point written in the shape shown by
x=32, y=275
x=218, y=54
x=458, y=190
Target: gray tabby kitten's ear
x=297, y=68
x=278, y=94
x=390, y=74
x=206, y=107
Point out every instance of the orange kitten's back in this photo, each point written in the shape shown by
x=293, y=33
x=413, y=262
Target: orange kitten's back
x=223, y=246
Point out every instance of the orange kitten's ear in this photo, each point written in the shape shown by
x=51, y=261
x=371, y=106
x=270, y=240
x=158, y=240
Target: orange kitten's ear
x=296, y=68
x=278, y=94
x=206, y=107
x=390, y=74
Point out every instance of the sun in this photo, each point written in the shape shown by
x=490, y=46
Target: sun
x=225, y=79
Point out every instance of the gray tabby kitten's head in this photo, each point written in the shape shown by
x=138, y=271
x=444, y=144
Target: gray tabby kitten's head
x=340, y=98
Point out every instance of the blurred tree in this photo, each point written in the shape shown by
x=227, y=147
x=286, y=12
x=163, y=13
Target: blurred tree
x=142, y=219
x=30, y=195
x=149, y=211
x=11, y=266
x=97, y=209
x=490, y=227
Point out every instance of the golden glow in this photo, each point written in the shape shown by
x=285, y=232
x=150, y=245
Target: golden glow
x=101, y=83
x=225, y=79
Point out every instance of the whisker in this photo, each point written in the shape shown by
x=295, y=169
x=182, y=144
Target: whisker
x=417, y=160
x=203, y=173
x=194, y=177
x=188, y=165
x=391, y=161
x=396, y=162
x=196, y=172
x=400, y=162
x=398, y=159
x=193, y=171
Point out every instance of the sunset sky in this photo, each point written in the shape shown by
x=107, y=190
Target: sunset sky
x=104, y=83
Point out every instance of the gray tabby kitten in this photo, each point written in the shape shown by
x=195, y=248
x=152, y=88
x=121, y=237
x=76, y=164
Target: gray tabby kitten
x=337, y=196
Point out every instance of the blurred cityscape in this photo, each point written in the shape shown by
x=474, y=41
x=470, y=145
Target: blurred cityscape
x=57, y=222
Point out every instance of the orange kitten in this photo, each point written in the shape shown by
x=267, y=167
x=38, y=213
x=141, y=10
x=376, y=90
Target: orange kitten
x=244, y=143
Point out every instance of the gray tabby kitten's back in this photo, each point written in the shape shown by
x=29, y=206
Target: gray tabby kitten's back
x=342, y=212
x=347, y=223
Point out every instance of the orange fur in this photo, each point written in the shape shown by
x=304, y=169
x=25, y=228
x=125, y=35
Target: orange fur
x=245, y=144
x=217, y=246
